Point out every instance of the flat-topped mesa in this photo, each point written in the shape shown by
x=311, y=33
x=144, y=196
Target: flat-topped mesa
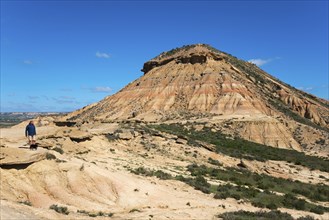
x=196, y=53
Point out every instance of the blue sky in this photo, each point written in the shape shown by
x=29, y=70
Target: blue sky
x=63, y=55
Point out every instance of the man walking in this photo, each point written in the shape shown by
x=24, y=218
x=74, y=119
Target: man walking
x=30, y=132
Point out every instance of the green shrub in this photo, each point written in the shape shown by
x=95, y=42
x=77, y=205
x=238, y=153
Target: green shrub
x=134, y=210
x=317, y=209
x=146, y=172
x=162, y=175
x=257, y=197
x=26, y=203
x=82, y=211
x=267, y=183
x=141, y=171
x=301, y=191
x=50, y=156
x=222, y=195
x=200, y=183
x=60, y=209
x=306, y=218
x=214, y=162
x=95, y=214
x=291, y=201
x=258, y=204
x=59, y=150
x=271, y=206
x=246, y=215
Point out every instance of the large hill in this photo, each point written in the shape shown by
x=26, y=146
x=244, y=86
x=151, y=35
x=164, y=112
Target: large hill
x=201, y=135
x=198, y=81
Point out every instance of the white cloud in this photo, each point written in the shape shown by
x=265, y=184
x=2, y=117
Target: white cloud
x=65, y=100
x=102, y=55
x=67, y=97
x=309, y=88
x=102, y=89
x=260, y=62
x=33, y=97
x=18, y=106
x=28, y=62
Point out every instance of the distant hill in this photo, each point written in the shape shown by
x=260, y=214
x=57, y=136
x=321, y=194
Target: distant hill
x=8, y=119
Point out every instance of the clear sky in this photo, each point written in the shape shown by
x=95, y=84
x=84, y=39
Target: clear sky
x=64, y=55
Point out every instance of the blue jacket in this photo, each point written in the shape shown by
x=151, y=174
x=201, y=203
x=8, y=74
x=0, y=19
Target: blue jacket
x=30, y=130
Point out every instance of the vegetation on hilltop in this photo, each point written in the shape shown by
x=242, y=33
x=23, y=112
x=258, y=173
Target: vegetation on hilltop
x=184, y=48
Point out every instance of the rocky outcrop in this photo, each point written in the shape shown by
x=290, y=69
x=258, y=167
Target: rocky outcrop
x=13, y=158
x=65, y=123
x=303, y=108
x=149, y=65
x=192, y=59
x=190, y=54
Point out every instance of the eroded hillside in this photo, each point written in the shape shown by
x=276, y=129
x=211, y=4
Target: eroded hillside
x=198, y=81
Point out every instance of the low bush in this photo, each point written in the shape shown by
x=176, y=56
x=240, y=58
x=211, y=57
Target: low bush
x=318, y=210
x=199, y=183
x=305, y=218
x=58, y=149
x=290, y=201
x=162, y=175
x=50, y=156
x=60, y=209
x=95, y=214
x=245, y=188
x=244, y=177
x=134, y=210
x=214, y=162
x=26, y=203
x=147, y=172
x=246, y=215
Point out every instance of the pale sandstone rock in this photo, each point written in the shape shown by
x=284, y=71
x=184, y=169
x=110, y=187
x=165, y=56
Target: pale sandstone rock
x=125, y=135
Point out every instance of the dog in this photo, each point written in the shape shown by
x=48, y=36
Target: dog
x=33, y=146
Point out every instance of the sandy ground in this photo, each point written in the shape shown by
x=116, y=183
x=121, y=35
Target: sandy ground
x=94, y=175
